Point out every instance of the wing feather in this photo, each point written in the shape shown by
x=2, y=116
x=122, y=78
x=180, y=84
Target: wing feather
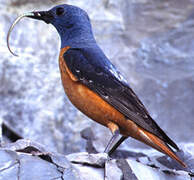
x=93, y=69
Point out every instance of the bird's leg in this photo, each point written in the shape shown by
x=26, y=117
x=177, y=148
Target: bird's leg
x=112, y=141
x=117, y=144
x=115, y=131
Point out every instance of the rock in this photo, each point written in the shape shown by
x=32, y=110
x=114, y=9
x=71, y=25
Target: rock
x=19, y=3
x=89, y=167
x=87, y=134
x=112, y=171
x=18, y=163
x=126, y=169
x=25, y=159
x=145, y=172
x=97, y=160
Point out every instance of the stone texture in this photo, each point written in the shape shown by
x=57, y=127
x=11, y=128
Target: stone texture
x=129, y=168
x=97, y=160
x=112, y=171
x=18, y=163
x=25, y=160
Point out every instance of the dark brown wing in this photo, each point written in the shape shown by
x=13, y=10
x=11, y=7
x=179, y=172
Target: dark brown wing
x=94, y=70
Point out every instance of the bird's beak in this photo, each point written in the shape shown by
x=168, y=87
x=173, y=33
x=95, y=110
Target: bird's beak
x=45, y=16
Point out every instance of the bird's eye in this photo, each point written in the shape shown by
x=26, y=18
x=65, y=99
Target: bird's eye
x=60, y=11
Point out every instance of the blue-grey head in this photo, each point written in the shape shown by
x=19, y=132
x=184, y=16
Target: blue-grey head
x=71, y=22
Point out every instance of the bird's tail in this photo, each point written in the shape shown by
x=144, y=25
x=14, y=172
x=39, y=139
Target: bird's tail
x=158, y=144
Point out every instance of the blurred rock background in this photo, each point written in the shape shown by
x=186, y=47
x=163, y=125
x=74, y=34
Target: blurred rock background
x=151, y=42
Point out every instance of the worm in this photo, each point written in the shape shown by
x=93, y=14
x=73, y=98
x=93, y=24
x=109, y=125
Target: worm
x=13, y=25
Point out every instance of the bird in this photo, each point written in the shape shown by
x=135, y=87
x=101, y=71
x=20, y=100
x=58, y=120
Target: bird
x=95, y=86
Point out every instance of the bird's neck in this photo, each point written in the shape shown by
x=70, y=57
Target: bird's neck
x=77, y=37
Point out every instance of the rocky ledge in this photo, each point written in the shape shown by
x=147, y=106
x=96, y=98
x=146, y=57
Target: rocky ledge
x=25, y=160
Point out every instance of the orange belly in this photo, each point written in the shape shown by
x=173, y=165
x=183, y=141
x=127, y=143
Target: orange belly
x=86, y=100
x=93, y=105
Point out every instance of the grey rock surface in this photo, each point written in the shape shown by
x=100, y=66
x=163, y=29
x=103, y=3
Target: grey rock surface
x=130, y=168
x=26, y=160
x=151, y=42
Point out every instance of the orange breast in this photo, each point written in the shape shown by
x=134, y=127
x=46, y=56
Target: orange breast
x=93, y=105
x=86, y=100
